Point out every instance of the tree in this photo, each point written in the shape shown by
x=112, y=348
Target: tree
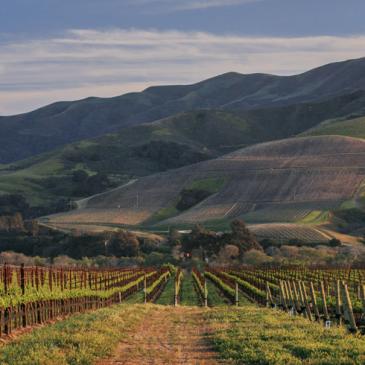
x=79, y=176
x=256, y=257
x=200, y=238
x=242, y=237
x=334, y=242
x=13, y=203
x=123, y=243
x=174, y=237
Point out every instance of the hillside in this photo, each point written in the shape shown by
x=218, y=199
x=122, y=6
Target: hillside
x=172, y=142
x=354, y=127
x=312, y=173
x=55, y=125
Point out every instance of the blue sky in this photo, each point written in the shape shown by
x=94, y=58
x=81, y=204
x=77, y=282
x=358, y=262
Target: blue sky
x=64, y=50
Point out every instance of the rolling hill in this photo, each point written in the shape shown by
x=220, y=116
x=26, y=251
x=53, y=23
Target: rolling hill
x=172, y=142
x=312, y=173
x=354, y=127
x=55, y=125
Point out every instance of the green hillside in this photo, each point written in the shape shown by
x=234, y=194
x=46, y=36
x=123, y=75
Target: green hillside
x=176, y=141
x=352, y=128
x=137, y=151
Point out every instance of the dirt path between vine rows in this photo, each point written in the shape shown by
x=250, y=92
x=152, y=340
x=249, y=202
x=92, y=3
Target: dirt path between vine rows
x=168, y=335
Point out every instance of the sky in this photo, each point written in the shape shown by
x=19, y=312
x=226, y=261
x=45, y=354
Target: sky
x=52, y=50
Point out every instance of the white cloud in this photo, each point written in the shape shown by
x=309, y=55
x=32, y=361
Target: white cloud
x=105, y=63
x=175, y=5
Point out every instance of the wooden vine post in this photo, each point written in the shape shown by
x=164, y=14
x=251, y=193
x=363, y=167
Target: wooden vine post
x=269, y=300
x=338, y=303
x=324, y=301
x=236, y=295
x=362, y=295
x=307, y=305
x=22, y=286
x=283, y=296
x=349, y=314
x=205, y=294
x=175, y=294
x=314, y=301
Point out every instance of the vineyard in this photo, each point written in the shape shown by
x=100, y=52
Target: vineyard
x=284, y=232
x=35, y=295
x=288, y=212
x=321, y=305
x=286, y=179
x=331, y=296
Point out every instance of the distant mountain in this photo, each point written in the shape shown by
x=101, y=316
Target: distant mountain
x=53, y=126
x=292, y=178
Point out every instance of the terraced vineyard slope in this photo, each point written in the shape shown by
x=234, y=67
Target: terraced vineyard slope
x=305, y=174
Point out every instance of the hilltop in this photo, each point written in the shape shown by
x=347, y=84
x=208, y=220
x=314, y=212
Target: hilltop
x=55, y=125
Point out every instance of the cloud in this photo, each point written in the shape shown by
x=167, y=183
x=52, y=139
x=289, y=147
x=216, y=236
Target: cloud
x=84, y=62
x=173, y=5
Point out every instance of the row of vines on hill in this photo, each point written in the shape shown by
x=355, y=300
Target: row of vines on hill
x=34, y=295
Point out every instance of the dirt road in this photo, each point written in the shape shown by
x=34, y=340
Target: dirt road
x=169, y=335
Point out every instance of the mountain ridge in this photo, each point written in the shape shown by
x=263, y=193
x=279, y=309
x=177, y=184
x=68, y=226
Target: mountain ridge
x=60, y=123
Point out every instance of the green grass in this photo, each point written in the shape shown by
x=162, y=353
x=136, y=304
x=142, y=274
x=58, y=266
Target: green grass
x=351, y=128
x=260, y=336
x=315, y=217
x=136, y=298
x=215, y=225
x=215, y=296
x=348, y=204
x=188, y=295
x=167, y=296
x=80, y=339
x=211, y=185
x=163, y=214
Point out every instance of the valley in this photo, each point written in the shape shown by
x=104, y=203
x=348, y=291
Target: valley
x=289, y=162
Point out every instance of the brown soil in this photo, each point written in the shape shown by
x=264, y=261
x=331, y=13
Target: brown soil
x=168, y=335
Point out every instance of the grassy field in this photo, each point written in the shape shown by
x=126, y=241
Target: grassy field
x=315, y=217
x=167, y=296
x=188, y=295
x=66, y=342
x=136, y=333
x=247, y=335
x=259, y=336
x=215, y=296
x=352, y=128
